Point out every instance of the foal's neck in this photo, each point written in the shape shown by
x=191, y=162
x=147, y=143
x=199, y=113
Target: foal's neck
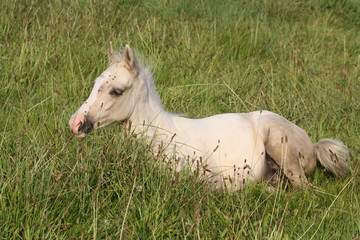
x=150, y=114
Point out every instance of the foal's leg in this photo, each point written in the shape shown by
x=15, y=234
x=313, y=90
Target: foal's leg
x=284, y=155
x=291, y=149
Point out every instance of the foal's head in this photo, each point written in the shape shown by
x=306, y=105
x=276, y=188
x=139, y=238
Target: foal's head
x=113, y=96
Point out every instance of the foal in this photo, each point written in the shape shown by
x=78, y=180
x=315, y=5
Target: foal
x=232, y=148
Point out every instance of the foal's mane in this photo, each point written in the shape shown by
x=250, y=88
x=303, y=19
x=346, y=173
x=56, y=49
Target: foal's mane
x=146, y=76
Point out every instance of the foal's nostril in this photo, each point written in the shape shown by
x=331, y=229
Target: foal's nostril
x=86, y=126
x=81, y=124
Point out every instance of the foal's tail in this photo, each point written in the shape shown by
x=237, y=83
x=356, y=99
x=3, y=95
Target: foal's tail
x=333, y=155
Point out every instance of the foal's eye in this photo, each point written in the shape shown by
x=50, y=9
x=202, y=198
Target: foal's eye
x=116, y=92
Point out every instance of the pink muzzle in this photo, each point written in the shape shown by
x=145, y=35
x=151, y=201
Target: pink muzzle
x=76, y=122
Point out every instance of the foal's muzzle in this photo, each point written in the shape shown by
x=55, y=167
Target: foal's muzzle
x=86, y=126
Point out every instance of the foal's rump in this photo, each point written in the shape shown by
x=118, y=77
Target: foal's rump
x=288, y=146
x=295, y=155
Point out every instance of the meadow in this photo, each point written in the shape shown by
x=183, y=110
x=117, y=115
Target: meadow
x=300, y=59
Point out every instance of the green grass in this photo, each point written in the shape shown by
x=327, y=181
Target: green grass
x=300, y=59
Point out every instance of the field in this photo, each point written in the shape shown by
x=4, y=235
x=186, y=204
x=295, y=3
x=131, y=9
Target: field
x=300, y=59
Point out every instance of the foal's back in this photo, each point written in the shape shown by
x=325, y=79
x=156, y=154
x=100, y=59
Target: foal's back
x=231, y=144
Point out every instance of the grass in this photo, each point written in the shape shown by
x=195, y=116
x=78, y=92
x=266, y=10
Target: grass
x=297, y=58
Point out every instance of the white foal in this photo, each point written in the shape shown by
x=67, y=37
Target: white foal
x=229, y=149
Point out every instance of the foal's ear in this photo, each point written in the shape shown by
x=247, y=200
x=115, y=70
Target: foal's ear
x=112, y=55
x=130, y=60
